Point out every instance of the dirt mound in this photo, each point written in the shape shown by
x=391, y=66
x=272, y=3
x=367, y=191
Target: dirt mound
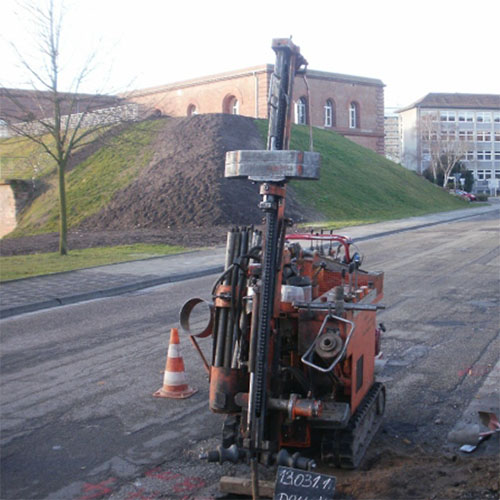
x=181, y=197
x=184, y=184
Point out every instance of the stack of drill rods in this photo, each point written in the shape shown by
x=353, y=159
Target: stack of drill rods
x=228, y=332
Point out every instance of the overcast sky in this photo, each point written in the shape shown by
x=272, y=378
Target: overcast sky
x=414, y=47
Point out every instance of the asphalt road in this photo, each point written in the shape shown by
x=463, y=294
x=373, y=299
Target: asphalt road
x=78, y=419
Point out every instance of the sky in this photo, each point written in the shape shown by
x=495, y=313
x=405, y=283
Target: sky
x=414, y=47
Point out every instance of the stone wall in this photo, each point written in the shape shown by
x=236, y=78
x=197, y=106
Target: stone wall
x=14, y=195
x=99, y=117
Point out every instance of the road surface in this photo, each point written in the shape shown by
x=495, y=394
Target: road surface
x=79, y=420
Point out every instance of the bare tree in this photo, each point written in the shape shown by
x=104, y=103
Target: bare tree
x=443, y=145
x=59, y=122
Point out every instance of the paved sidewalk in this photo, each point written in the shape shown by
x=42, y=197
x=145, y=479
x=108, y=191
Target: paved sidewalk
x=42, y=292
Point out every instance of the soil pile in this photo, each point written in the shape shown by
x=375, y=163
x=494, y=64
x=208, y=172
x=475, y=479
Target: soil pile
x=181, y=197
x=184, y=185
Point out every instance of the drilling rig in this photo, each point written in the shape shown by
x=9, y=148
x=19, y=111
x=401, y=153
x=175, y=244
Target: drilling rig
x=294, y=331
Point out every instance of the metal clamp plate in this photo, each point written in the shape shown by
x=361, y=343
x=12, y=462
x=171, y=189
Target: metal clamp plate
x=272, y=166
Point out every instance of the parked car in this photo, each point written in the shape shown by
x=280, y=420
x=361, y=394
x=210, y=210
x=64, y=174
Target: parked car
x=465, y=195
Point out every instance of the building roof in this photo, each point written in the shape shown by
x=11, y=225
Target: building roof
x=22, y=104
x=264, y=68
x=459, y=101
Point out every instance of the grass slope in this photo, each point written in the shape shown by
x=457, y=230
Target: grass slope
x=359, y=186
x=92, y=183
x=356, y=184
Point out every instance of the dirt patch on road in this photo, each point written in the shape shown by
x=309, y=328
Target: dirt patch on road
x=392, y=475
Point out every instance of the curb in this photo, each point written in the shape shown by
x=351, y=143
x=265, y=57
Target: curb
x=420, y=226
x=140, y=285
x=108, y=292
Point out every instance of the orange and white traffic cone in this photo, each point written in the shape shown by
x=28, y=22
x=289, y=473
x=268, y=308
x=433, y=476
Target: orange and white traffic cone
x=174, y=380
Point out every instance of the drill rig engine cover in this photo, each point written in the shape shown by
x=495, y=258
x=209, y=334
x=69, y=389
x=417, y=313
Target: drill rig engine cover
x=293, y=319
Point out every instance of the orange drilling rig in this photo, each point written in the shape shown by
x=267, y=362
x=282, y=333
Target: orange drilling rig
x=294, y=327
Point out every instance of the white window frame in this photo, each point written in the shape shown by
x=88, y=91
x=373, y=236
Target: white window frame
x=483, y=117
x=483, y=136
x=466, y=135
x=465, y=116
x=353, y=115
x=328, y=113
x=484, y=155
x=447, y=116
x=480, y=175
x=301, y=111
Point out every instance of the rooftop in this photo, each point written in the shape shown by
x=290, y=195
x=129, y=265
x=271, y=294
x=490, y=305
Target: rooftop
x=22, y=104
x=460, y=101
x=264, y=68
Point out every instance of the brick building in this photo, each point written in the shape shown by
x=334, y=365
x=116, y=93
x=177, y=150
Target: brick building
x=352, y=106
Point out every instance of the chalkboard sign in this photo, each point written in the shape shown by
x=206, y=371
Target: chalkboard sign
x=296, y=484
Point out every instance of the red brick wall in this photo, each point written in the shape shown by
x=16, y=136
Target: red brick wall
x=250, y=87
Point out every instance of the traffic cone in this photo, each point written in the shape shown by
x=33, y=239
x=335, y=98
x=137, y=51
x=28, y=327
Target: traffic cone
x=174, y=380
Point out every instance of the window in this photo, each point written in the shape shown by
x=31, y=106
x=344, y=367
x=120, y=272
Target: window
x=301, y=111
x=480, y=175
x=354, y=115
x=231, y=105
x=448, y=135
x=447, y=116
x=465, y=116
x=496, y=117
x=483, y=136
x=426, y=155
x=192, y=110
x=497, y=155
x=469, y=155
x=487, y=174
x=466, y=135
x=497, y=135
x=497, y=174
x=484, y=155
x=329, y=114
x=483, y=117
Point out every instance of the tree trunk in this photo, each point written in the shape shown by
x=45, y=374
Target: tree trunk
x=63, y=225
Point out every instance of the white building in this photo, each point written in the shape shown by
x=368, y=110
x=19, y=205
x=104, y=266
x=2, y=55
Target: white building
x=471, y=121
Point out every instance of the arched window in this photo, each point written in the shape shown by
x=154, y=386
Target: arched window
x=329, y=113
x=231, y=105
x=301, y=111
x=354, y=115
x=192, y=110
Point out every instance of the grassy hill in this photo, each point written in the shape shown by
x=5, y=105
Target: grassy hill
x=356, y=184
x=90, y=184
x=359, y=186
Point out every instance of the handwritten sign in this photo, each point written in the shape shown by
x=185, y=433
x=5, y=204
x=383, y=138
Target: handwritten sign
x=296, y=484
